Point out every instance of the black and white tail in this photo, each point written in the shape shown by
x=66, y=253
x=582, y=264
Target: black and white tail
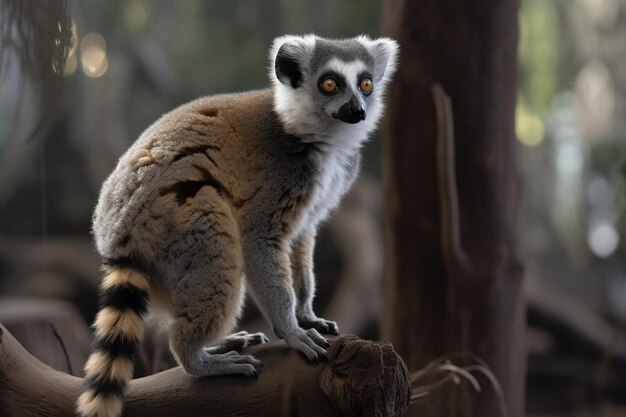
x=119, y=329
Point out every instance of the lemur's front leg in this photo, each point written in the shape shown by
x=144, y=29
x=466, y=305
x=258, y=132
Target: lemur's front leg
x=269, y=276
x=304, y=285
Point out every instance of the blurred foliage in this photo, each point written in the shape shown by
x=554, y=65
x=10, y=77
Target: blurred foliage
x=35, y=39
x=570, y=125
x=36, y=35
x=538, y=54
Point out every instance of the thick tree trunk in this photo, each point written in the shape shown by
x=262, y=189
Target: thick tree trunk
x=360, y=378
x=453, y=282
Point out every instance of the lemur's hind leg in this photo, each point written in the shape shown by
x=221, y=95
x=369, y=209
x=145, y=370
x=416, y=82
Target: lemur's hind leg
x=204, y=274
x=237, y=342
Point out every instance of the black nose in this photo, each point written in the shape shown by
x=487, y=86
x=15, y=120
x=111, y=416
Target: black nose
x=351, y=112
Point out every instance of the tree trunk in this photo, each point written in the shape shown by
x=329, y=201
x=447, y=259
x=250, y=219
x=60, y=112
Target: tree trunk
x=360, y=378
x=453, y=282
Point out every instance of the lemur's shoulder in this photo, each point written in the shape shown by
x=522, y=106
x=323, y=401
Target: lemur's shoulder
x=235, y=110
x=243, y=103
x=219, y=120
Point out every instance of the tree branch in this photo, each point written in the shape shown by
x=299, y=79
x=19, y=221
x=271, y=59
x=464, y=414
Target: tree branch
x=360, y=378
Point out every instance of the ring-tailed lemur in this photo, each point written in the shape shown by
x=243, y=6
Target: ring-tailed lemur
x=228, y=190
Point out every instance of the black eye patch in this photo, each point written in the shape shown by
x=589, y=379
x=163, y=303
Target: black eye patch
x=364, y=74
x=339, y=79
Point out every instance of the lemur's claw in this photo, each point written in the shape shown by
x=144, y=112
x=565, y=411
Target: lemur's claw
x=333, y=328
x=321, y=325
x=309, y=342
x=237, y=342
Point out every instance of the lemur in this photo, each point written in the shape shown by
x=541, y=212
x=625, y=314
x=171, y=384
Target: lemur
x=227, y=192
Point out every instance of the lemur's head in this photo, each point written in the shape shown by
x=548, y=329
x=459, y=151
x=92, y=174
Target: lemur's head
x=329, y=88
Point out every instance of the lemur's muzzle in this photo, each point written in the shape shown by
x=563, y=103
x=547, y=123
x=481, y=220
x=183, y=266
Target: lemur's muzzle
x=351, y=112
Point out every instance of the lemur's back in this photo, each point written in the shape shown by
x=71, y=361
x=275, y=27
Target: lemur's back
x=229, y=143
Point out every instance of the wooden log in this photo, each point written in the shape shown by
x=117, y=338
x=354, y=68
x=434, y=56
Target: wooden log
x=360, y=378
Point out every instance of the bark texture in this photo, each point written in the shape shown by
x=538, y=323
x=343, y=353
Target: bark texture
x=453, y=282
x=360, y=378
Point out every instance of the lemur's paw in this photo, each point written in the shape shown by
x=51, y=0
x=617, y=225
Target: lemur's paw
x=230, y=363
x=252, y=338
x=309, y=342
x=321, y=325
x=234, y=363
x=238, y=341
x=237, y=358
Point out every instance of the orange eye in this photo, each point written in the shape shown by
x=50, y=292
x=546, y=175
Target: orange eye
x=366, y=85
x=329, y=85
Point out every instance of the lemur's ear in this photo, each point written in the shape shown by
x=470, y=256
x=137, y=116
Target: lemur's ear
x=290, y=55
x=385, y=53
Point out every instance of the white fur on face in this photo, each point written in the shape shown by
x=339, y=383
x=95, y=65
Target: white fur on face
x=291, y=104
x=300, y=114
x=295, y=109
x=350, y=71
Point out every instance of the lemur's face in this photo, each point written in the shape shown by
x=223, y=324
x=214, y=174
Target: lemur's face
x=331, y=82
x=344, y=73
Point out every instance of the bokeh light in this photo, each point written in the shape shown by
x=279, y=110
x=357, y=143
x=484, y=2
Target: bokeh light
x=528, y=126
x=603, y=239
x=93, y=56
x=136, y=15
x=71, y=63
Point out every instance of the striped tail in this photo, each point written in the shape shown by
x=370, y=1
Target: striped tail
x=119, y=328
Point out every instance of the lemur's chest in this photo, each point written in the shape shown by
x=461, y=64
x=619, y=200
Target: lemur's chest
x=334, y=176
x=305, y=184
